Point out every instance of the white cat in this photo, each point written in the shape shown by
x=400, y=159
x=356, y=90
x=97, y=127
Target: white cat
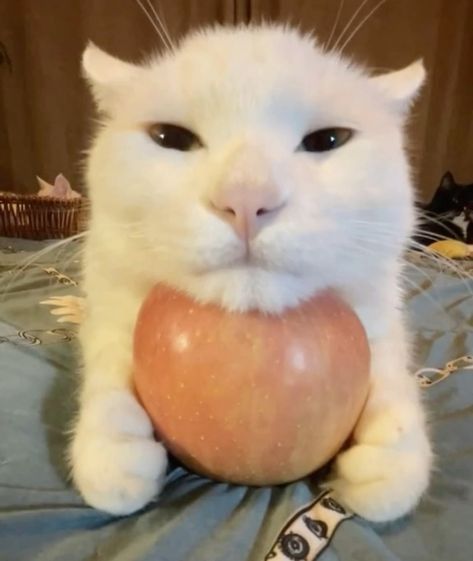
x=249, y=168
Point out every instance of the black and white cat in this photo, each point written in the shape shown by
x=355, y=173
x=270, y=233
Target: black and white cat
x=449, y=214
x=251, y=168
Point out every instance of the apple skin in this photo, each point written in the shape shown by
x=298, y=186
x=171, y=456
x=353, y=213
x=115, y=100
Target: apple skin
x=250, y=398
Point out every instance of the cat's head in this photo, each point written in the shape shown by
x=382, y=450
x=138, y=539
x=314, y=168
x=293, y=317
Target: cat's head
x=450, y=197
x=251, y=168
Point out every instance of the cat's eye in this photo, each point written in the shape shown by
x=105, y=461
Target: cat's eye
x=174, y=137
x=326, y=139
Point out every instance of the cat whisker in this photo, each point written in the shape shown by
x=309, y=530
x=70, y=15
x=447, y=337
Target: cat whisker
x=426, y=212
x=405, y=279
x=75, y=256
x=159, y=18
x=348, y=25
x=420, y=290
x=33, y=259
x=335, y=25
x=381, y=230
x=361, y=24
x=361, y=246
x=449, y=263
x=156, y=24
x=418, y=230
x=433, y=218
x=439, y=260
x=413, y=244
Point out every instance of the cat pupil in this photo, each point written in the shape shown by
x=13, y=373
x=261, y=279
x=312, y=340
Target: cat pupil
x=174, y=137
x=326, y=139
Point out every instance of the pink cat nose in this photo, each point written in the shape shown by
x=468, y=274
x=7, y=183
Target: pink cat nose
x=247, y=208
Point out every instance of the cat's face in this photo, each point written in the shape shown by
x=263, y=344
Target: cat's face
x=305, y=219
x=451, y=197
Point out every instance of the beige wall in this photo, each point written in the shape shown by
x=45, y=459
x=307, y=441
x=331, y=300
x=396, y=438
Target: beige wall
x=45, y=108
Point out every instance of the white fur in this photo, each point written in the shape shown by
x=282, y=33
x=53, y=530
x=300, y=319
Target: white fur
x=250, y=94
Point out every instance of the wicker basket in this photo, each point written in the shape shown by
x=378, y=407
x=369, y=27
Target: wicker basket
x=40, y=218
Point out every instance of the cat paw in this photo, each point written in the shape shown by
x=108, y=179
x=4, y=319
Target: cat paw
x=117, y=465
x=380, y=483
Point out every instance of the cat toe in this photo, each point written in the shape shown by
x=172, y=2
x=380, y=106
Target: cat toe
x=119, y=475
x=379, y=484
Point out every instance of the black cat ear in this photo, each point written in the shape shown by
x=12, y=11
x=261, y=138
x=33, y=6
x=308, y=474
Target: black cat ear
x=447, y=180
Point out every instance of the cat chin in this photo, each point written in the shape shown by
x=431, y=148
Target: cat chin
x=246, y=288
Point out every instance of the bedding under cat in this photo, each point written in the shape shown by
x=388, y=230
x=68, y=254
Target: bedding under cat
x=250, y=168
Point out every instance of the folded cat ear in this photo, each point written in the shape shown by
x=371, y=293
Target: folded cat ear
x=402, y=86
x=105, y=74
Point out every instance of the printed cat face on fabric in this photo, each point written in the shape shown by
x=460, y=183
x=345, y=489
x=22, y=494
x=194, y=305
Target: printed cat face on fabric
x=250, y=95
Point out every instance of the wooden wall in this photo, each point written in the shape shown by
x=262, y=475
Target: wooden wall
x=45, y=109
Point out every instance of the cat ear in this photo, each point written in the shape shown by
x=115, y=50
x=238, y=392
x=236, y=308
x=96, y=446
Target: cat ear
x=63, y=189
x=45, y=188
x=402, y=86
x=105, y=74
x=447, y=180
x=62, y=185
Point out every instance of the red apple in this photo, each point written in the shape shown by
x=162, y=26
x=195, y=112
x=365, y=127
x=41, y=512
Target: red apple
x=246, y=397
